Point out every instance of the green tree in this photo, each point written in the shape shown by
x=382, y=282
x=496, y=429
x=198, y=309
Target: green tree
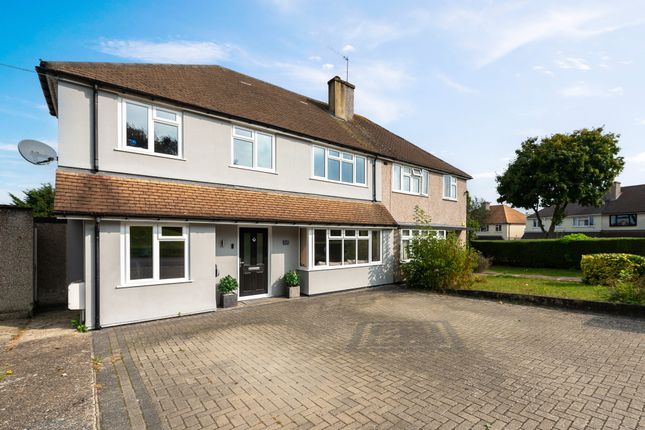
x=477, y=212
x=40, y=200
x=577, y=167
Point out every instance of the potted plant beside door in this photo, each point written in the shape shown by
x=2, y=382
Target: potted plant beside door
x=292, y=281
x=226, y=289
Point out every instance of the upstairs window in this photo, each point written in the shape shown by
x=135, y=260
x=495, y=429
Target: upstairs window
x=449, y=187
x=622, y=220
x=406, y=179
x=253, y=149
x=338, y=166
x=151, y=129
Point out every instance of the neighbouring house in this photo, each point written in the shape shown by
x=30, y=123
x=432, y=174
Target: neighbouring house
x=622, y=215
x=502, y=223
x=174, y=176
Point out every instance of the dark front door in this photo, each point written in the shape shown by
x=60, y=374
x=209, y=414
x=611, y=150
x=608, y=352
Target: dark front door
x=253, y=261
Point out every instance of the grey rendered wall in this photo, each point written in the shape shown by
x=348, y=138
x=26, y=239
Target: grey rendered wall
x=329, y=280
x=51, y=258
x=133, y=304
x=16, y=262
x=207, y=151
x=284, y=256
x=226, y=253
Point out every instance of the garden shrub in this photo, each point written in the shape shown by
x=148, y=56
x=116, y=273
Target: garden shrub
x=291, y=278
x=554, y=253
x=574, y=236
x=628, y=289
x=228, y=284
x=439, y=264
x=606, y=269
x=483, y=263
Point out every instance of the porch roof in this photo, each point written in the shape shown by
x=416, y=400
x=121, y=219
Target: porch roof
x=81, y=193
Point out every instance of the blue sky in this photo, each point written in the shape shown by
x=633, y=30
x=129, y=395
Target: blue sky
x=468, y=81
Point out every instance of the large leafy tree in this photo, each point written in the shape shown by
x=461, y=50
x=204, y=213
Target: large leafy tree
x=40, y=200
x=577, y=167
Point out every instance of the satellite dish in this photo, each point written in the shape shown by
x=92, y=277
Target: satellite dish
x=36, y=152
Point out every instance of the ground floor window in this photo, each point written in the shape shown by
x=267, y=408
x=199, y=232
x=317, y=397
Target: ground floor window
x=622, y=220
x=346, y=247
x=155, y=253
x=408, y=235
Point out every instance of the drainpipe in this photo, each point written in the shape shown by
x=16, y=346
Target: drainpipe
x=95, y=129
x=97, y=277
x=374, y=179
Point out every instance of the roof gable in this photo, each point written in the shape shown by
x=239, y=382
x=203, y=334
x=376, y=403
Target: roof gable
x=223, y=91
x=502, y=214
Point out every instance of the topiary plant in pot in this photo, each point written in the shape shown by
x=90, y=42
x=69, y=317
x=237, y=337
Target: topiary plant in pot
x=226, y=288
x=292, y=281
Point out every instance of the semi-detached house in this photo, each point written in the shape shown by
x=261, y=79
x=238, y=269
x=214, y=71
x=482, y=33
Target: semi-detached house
x=174, y=176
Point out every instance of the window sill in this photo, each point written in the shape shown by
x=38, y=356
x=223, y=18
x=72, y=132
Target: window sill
x=346, y=266
x=410, y=193
x=315, y=178
x=253, y=169
x=152, y=283
x=150, y=154
x=450, y=199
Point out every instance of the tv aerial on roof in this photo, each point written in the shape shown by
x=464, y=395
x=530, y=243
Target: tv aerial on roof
x=37, y=152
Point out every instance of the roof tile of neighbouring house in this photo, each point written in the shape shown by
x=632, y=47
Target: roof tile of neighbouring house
x=102, y=195
x=502, y=214
x=631, y=199
x=223, y=91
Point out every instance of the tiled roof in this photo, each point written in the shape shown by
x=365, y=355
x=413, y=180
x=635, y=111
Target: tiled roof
x=103, y=195
x=631, y=199
x=502, y=214
x=222, y=91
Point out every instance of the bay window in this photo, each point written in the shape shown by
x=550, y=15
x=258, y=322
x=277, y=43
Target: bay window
x=406, y=179
x=449, y=187
x=253, y=149
x=346, y=247
x=150, y=129
x=155, y=253
x=338, y=166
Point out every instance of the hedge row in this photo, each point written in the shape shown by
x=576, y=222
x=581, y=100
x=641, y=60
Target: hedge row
x=554, y=253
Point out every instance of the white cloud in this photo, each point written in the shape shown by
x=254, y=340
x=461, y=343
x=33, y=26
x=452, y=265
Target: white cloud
x=327, y=66
x=449, y=82
x=286, y=5
x=177, y=51
x=494, y=30
x=543, y=70
x=348, y=48
x=572, y=63
x=484, y=175
x=315, y=58
x=637, y=160
x=582, y=89
x=8, y=147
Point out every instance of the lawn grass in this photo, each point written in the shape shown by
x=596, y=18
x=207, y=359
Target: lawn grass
x=536, y=271
x=542, y=287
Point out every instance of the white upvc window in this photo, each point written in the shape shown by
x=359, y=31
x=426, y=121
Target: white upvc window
x=583, y=221
x=408, y=235
x=449, y=187
x=335, y=247
x=150, y=129
x=484, y=227
x=253, y=149
x=338, y=166
x=410, y=180
x=535, y=223
x=154, y=254
x=498, y=227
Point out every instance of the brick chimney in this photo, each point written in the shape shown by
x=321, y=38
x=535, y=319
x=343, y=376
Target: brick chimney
x=614, y=191
x=341, y=98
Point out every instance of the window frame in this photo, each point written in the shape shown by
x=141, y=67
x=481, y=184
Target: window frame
x=613, y=218
x=152, y=118
x=423, y=175
x=587, y=221
x=157, y=238
x=498, y=227
x=343, y=237
x=452, y=186
x=414, y=233
x=254, y=152
x=341, y=159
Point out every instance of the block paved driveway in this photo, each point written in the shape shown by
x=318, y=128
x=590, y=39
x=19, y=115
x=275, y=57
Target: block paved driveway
x=381, y=358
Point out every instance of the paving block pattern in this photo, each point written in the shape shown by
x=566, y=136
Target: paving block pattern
x=389, y=358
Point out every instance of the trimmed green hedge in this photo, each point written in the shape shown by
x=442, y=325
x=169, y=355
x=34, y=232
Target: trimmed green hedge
x=555, y=253
x=606, y=269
